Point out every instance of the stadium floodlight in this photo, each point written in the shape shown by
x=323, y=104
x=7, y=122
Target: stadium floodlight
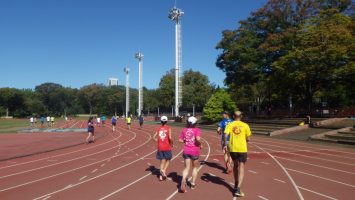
x=139, y=56
x=175, y=15
x=126, y=70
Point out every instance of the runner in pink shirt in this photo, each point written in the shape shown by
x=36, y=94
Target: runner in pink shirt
x=191, y=137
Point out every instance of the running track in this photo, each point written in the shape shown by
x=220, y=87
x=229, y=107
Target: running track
x=122, y=165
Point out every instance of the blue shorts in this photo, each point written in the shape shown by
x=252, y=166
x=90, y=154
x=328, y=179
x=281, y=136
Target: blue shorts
x=164, y=155
x=188, y=156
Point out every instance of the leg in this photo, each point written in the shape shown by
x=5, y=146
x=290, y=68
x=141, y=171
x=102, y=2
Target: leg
x=185, y=172
x=165, y=167
x=88, y=137
x=236, y=173
x=162, y=164
x=194, y=172
x=240, y=173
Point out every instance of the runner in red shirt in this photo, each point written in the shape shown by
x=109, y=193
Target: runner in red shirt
x=165, y=144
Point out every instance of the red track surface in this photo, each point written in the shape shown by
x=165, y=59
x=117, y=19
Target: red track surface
x=122, y=165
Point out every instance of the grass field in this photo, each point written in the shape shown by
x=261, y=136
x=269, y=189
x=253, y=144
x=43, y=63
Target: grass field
x=14, y=125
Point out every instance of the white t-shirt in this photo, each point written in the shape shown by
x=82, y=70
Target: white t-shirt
x=98, y=119
x=48, y=119
x=31, y=120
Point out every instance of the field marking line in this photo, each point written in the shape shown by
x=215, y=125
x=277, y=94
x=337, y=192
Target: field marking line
x=320, y=177
x=32, y=161
x=75, y=169
x=253, y=172
x=317, y=193
x=208, y=154
x=300, y=196
x=312, y=157
x=265, y=163
x=93, y=171
x=263, y=198
x=320, y=166
x=298, y=150
x=134, y=182
x=66, y=161
x=95, y=177
x=278, y=180
x=82, y=178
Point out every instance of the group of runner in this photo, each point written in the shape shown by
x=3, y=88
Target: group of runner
x=49, y=121
x=234, y=137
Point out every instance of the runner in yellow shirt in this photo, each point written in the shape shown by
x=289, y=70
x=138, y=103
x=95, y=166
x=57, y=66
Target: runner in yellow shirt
x=239, y=134
x=128, y=121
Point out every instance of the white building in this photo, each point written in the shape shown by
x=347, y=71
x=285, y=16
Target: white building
x=112, y=81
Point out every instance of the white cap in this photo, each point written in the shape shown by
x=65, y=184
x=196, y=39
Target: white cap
x=192, y=120
x=164, y=118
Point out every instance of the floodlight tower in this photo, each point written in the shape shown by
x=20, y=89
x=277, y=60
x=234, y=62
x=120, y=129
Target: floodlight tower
x=175, y=15
x=126, y=70
x=139, y=56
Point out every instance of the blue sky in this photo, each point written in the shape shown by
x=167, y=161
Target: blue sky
x=79, y=42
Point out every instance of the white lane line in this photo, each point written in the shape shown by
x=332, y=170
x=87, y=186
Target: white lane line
x=320, y=166
x=265, y=163
x=77, y=158
x=52, y=160
x=301, y=150
x=300, y=196
x=208, y=154
x=75, y=169
x=263, y=198
x=230, y=183
x=281, y=181
x=46, y=198
x=212, y=174
x=312, y=157
x=320, y=177
x=95, y=177
x=103, y=164
x=317, y=193
x=134, y=182
x=216, y=160
x=93, y=171
x=67, y=187
x=253, y=172
x=82, y=178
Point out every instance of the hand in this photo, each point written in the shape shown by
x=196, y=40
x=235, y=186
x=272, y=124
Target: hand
x=225, y=148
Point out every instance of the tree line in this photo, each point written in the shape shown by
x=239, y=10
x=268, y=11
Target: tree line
x=55, y=99
x=292, y=54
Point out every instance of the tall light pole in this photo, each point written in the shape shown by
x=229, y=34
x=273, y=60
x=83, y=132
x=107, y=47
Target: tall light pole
x=175, y=15
x=139, y=57
x=126, y=70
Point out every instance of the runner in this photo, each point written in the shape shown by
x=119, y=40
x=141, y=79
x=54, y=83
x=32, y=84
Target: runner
x=220, y=130
x=103, y=119
x=48, y=119
x=113, y=122
x=98, y=121
x=32, y=122
x=165, y=143
x=52, y=121
x=191, y=137
x=239, y=133
x=91, y=131
x=42, y=121
x=128, y=121
x=141, y=121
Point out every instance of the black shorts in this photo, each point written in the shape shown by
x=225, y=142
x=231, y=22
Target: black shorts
x=164, y=155
x=240, y=157
x=113, y=123
x=188, y=156
x=128, y=124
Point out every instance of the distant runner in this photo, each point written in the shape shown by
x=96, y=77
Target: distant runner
x=128, y=121
x=98, y=121
x=113, y=122
x=165, y=144
x=191, y=137
x=239, y=133
x=103, y=119
x=32, y=122
x=48, y=121
x=42, y=121
x=141, y=121
x=52, y=121
x=91, y=131
x=220, y=130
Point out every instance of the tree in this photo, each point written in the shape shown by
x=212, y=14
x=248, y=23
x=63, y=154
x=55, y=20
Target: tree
x=322, y=58
x=13, y=100
x=166, y=91
x=89, y=96
x=220, y=101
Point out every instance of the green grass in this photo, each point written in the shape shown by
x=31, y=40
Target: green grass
x=12, y=125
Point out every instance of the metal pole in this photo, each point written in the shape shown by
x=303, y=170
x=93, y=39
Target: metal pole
x=172, y=111
x=126, y=70
x=139, y=56
x=193, y=109
x=158, y=112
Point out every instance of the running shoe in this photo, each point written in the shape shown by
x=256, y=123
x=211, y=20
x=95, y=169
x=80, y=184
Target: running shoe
x=238, y=192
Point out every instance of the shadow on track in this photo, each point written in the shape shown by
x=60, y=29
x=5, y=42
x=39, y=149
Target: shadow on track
x=216, y=180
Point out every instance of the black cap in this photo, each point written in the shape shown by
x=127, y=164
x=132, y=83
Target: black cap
x=225, y=112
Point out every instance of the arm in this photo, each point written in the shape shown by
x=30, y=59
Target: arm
x=170, y=138
x=248, y=134
x=219, y=130
x=181, y=138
